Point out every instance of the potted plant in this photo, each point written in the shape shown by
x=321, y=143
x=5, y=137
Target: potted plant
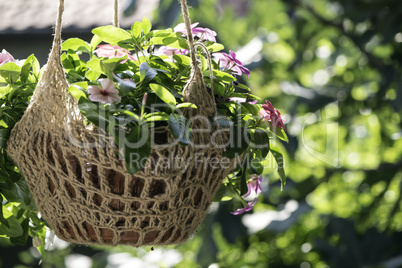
x=128, y=139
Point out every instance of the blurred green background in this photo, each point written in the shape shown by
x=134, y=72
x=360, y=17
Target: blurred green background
x=334, y=70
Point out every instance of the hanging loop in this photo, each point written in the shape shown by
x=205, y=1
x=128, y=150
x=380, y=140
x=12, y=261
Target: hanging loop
x=195, y=90
x=116, y=13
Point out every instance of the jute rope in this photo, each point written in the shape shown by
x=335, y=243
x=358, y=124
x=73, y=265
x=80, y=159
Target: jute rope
x=116, y=13
x=190, y=38
x=82, y=188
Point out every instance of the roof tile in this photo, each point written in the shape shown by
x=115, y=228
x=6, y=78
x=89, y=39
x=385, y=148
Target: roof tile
x=21, y=16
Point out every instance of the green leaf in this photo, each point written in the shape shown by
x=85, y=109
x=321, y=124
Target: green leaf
x=242, y=86
x=239, y=142
x=252, y=108
x=111, y=34
x=14, y=229
x=94, y=113
x=186, y=105
x=113, y=129
x=36, y=67
x=10, y=72
x=261, y=140
x=175, y=42
x=280, y=162
x=67, y=64
x=108, y=66
x=76, y=92
x=16, y=190
x=157, y=116
x=223, y=122
x=179, y=128
x=3, y=220
x=125, y=85
x=164, y=33
x=22, y=240
x=96, y=65
x=225, y=77
x=4, y=90
x=146, y=25
x=133, y=115
x=95, y=41
x=11, y=117
x=147, y=73
x=172, y=40
x=215, y=47
x=76, y=44
x=4, y=135
x=243, y=182
x=136, y=29
x=26, y=68
x=223, y=194
x=92, y=75
x=137, y=148
x=163, y=93
x=256, y=166
x=182, y=59
x=279, y=132
x=41, y=234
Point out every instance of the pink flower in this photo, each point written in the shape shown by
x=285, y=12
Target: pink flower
x=202, y=33
x=105, y=94
x=5, y=57
x=231, y=63
x=249, y=207
x=269, y=113
x=254, y=185
x=169, y=51
x=109, y=51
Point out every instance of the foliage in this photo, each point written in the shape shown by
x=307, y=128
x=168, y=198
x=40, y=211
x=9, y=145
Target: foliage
x=18, y=214
x=334, y=66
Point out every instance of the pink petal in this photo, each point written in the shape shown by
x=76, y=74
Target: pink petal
x=5, y=57
x=108, y=85
x=94, y=89
x=249, y=207
x=109, y=51
x=205, y=33
x=98, y=98
x=181, y=28
x=105, y=51
x=114, y=98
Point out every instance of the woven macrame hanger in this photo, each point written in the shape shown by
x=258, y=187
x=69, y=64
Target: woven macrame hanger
x=88, y=205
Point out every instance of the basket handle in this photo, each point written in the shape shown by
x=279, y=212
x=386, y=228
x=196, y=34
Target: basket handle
x=56, y=47
x=195, y=90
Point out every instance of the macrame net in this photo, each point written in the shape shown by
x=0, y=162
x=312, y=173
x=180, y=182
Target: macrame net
x=81, y=187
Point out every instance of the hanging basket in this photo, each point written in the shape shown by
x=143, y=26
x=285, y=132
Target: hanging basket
x=81, y=187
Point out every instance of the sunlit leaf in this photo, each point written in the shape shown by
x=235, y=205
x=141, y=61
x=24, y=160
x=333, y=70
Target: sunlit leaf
x=14, y=229
x=136, y=29
x=280, y=162
x=111, y=34
x=76, y=44
x=163, y=93
x=146, y=25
